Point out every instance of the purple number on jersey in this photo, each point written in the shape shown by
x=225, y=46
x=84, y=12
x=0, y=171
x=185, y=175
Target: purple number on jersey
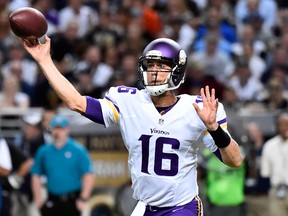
x=125, y=89
x=160, y=155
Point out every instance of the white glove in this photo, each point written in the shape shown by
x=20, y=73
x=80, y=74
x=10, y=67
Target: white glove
x=15, y=181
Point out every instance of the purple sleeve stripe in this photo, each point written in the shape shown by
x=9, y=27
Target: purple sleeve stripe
x=222, y=121
x=218, y=154
x=116, y=107
x=94, y=110
x=198, y=99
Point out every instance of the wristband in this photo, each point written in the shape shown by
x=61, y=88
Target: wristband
x=220, y=137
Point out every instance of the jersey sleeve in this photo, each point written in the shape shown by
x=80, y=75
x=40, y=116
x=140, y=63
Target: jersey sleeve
x=110, y=108
x=221, y=119
x=103, y=111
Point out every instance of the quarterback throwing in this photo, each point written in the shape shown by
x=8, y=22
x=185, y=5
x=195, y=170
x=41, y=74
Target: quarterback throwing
x=162, y=131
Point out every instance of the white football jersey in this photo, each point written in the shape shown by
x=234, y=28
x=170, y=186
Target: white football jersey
x=162, y=148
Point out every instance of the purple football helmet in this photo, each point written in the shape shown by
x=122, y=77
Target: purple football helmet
x=166, y=50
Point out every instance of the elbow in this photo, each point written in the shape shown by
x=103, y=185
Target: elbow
x=237, y=162
x=77, y=105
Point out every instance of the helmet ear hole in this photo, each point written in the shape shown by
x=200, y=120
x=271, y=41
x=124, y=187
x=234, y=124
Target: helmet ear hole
x=145, y=64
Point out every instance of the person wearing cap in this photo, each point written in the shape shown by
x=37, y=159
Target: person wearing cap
x=68, y=170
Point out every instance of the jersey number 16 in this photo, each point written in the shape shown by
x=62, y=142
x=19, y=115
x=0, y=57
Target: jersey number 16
x=159, y=155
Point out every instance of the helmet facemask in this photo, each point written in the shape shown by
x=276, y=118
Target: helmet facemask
x=173, y=80
x=166, y=51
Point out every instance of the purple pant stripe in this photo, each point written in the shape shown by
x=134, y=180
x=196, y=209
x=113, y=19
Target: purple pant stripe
x=193, y=208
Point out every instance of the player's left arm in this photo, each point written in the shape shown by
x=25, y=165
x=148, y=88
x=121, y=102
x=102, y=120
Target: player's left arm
x=231, y=155
x=229, y=149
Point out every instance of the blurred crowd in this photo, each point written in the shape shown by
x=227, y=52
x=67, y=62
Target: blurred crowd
x=239, y=47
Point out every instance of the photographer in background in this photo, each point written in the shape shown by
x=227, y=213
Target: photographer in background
x=14, y=166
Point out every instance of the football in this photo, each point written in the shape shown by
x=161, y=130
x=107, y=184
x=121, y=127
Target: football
x=28, y=23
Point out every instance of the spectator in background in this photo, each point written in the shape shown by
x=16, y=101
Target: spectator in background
x=151, y=19
x=196, y=79
x=100, y=72
x=257, y=65
x=14, y=166
x=216, y=63
x=50, y=13
x=111, y=57
x=173, y=27
x=103, y=34
x=231, y=101
x=256, y=187
x=274, y=164
x=223, y=45
x=28, y=68
x=282, y=25
x=279, y=72
x=215, y=19
x=24, y=86
x=247, y=34
x=224, y=187
x=32, y=138
x=257, y=21
x=225, y=8
x=187, y=31
x=127, y=70
x=277, y=61
x=66, y=48
x=11, y=94
x=5, y=166
x=134, y=42
x=68, y=169
x=247, y=88
x=5, y=33
x=85, y=17
x=275, y=98
x=175, y=8
x=84, y=83
x=244, y=8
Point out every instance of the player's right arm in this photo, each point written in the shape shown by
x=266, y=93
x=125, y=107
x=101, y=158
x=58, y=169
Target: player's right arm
x=64, y=89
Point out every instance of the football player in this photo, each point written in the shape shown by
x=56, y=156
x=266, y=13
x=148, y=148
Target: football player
x=162, y=131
